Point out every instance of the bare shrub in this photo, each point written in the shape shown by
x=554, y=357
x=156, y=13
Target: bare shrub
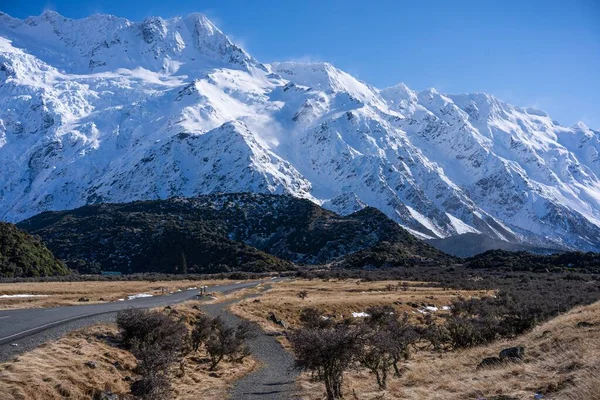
x=157, y=342
x=387, y=341
x=201, y=330
x=311, y=318
x=303, y=294
x=326, y=353
x=220, y=340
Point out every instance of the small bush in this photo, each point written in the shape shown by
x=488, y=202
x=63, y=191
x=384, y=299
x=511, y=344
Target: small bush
x=327, y=353
x=303, y=294
x=221, y=341
x=311, y=318
x=157, y=342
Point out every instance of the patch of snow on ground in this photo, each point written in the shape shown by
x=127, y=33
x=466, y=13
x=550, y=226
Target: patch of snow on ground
x=138, y=296
x=19, y=296
x=360, y=314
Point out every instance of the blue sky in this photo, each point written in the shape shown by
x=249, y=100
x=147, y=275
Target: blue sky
x=544, y=54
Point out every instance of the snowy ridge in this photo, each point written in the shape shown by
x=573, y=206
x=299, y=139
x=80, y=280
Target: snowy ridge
x=105, y=109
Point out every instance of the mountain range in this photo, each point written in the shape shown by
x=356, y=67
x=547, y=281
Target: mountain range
x=103, y=109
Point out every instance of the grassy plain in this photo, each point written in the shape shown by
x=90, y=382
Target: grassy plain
x=562, y=355
x=56, y=294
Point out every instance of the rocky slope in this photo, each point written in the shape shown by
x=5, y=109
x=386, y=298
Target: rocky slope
x=220, y=233
x=103, y=109
x=22, y=255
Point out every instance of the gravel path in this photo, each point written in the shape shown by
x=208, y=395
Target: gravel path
x=276, y=379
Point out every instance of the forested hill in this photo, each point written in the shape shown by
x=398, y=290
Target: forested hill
x=22, y=255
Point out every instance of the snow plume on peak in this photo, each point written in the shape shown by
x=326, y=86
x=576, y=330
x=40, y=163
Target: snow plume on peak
x=102, y=109
x=325, y=77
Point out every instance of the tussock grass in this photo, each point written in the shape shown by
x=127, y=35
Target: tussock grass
x=58, y=370
x=342, y=298
x=562, y=362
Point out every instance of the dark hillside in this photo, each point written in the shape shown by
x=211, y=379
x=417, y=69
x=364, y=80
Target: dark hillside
x=22, y=255
x=216, y=233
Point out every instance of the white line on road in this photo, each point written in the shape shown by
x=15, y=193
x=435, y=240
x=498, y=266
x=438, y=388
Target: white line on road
x=46, y=325
x=8, y=316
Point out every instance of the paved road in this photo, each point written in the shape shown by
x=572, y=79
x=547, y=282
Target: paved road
x=28, y=328
x=276, y=378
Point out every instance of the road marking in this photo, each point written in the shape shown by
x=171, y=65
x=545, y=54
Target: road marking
x=39, y=328
x=8, y=316
x=45, y=325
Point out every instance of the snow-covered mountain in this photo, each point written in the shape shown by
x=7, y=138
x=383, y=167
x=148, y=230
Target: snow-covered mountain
x=104, y=109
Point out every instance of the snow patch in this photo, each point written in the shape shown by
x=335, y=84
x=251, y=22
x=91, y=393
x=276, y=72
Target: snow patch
x=139, y=296
x=361, y=314
x=460, y=226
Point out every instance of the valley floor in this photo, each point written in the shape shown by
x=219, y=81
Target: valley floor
x=55, y=294
x=562, y=356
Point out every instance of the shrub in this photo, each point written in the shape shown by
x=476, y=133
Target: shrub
x=157, y=341
x=202, y=328
x=326, y=353
x=311, y=318
x=220, y=340
x=303, y=294
x=387, y=342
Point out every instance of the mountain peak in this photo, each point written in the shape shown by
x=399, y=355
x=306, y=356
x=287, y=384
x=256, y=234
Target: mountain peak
x=580, y=125
x=104, y=42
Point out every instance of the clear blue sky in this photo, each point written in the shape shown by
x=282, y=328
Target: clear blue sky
x=537, y=53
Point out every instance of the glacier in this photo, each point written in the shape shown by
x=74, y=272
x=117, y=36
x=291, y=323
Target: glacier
x=103, y=109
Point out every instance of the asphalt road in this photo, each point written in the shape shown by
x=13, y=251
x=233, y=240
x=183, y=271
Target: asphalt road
x=25, y=329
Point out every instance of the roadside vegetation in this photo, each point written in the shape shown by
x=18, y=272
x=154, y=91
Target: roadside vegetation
x=160, y=340
x=55, y=294
x=146, y=355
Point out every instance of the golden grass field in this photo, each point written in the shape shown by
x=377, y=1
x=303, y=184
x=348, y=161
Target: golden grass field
x=340, y=299
x=68, y=293
x=58, y=370
x=562, y=360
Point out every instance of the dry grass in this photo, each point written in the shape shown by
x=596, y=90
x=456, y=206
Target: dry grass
x=58, y=370
x=340, y=299
x=68, y=293
x=562, y=362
